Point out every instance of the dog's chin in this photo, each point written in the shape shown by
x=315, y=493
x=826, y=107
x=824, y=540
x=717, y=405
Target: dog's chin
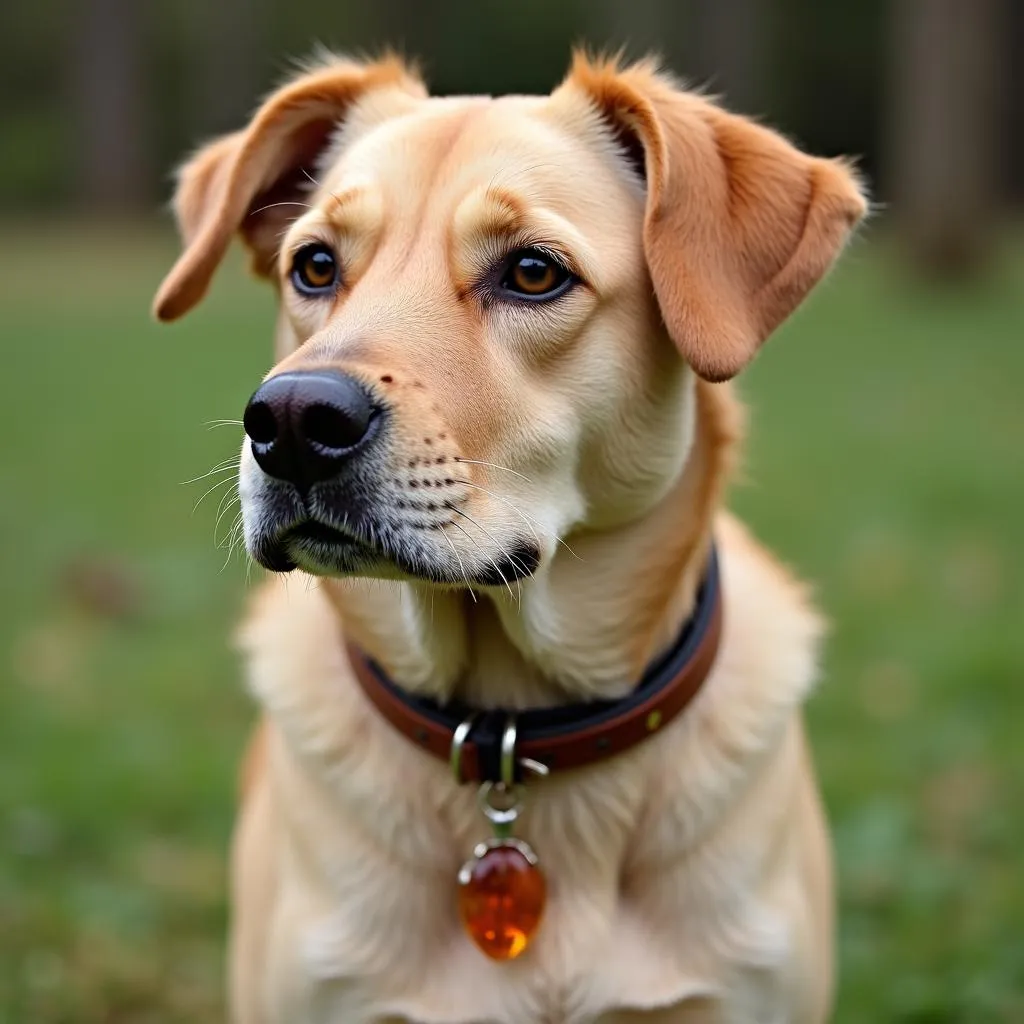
x=322, y=550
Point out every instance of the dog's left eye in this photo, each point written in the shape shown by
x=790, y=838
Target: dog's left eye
x=314, y=270
x=533, y=274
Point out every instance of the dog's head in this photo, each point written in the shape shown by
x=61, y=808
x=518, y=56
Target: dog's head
x=492, y=310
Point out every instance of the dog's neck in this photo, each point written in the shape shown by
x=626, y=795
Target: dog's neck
x=585, y=626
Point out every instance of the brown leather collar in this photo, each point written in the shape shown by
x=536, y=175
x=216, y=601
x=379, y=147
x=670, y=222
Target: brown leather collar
x=557, y=738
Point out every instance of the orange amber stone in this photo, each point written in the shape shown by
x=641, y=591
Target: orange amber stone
x=501, y=898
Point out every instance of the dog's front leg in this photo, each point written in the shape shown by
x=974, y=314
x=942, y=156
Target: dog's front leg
x=253, y=886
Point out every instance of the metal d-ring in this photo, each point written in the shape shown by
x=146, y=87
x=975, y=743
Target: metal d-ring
x=509, y=759
x=459, y=738
x=508, y=753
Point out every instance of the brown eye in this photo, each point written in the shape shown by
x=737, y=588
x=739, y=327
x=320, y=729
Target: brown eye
x=533, y=274
x=314, y=270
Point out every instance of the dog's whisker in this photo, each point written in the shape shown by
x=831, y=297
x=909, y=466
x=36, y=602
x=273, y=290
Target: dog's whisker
x=210, y=490
x=233, y=538
x=221, y=467
x=234, y=531
x=227, y=501
x=220, y=473
x=462, y=568
x=579, y=558
x=510, y=176
x=232, y=542
x=493, y=465
x=483, y=529
x=222, y=510
x=284, y=202
x=231, y=459
x=512, y=559
x=213, y=424
x=499, y=497
x=526, y=517
x=317, y=184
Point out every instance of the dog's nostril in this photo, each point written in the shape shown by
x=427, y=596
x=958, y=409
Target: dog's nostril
x=330, y=427
x=259, y=423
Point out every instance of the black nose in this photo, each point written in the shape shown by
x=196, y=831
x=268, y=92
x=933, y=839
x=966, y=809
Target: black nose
x=304, y=425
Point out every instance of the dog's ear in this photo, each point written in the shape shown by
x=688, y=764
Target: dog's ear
x=252, y=181
x=739, y=224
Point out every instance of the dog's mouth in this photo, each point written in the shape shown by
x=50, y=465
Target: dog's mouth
x=316, y=547
x=313, y=533
x=364, y=531
x=321, y=549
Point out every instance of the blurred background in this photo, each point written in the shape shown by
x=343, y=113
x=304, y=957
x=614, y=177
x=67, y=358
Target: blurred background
x=884, y=463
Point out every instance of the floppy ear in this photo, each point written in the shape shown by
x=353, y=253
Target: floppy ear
x=251, y=181
x=739, y=224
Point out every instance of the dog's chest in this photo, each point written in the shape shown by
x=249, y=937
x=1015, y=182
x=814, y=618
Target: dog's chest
x=605, y=978
x=657, y=911
x=600, y=957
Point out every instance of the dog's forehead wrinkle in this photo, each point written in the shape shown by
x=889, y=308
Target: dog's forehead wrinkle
x=505, y=138
x=424, y=134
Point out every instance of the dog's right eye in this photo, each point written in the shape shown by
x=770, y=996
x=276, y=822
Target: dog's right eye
x=533, y=274
x=315, y=270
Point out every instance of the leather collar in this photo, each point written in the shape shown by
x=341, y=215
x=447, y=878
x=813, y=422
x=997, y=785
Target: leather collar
x=559, y=738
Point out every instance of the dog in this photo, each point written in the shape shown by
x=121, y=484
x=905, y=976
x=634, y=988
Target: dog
x=531, y=746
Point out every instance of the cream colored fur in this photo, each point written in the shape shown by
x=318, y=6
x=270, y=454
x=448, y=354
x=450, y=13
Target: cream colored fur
x=689, y=878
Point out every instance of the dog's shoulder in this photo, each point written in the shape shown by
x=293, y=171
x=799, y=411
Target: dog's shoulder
x=772, y=629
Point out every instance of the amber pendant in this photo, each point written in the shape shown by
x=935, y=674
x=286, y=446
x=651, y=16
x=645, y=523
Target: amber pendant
x=501, y=890
x=501, y=897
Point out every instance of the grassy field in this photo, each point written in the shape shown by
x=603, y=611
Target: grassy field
x=885, y=463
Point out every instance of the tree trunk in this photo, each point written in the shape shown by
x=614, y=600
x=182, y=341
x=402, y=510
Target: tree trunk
x=640, y=27
x=943, y=138
x=227, y=77
x=726, y=47
x=112, y=147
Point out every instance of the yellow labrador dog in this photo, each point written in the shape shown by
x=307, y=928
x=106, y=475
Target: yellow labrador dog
x=531, y=748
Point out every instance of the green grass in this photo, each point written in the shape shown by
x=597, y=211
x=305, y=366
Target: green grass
x=884, y=463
